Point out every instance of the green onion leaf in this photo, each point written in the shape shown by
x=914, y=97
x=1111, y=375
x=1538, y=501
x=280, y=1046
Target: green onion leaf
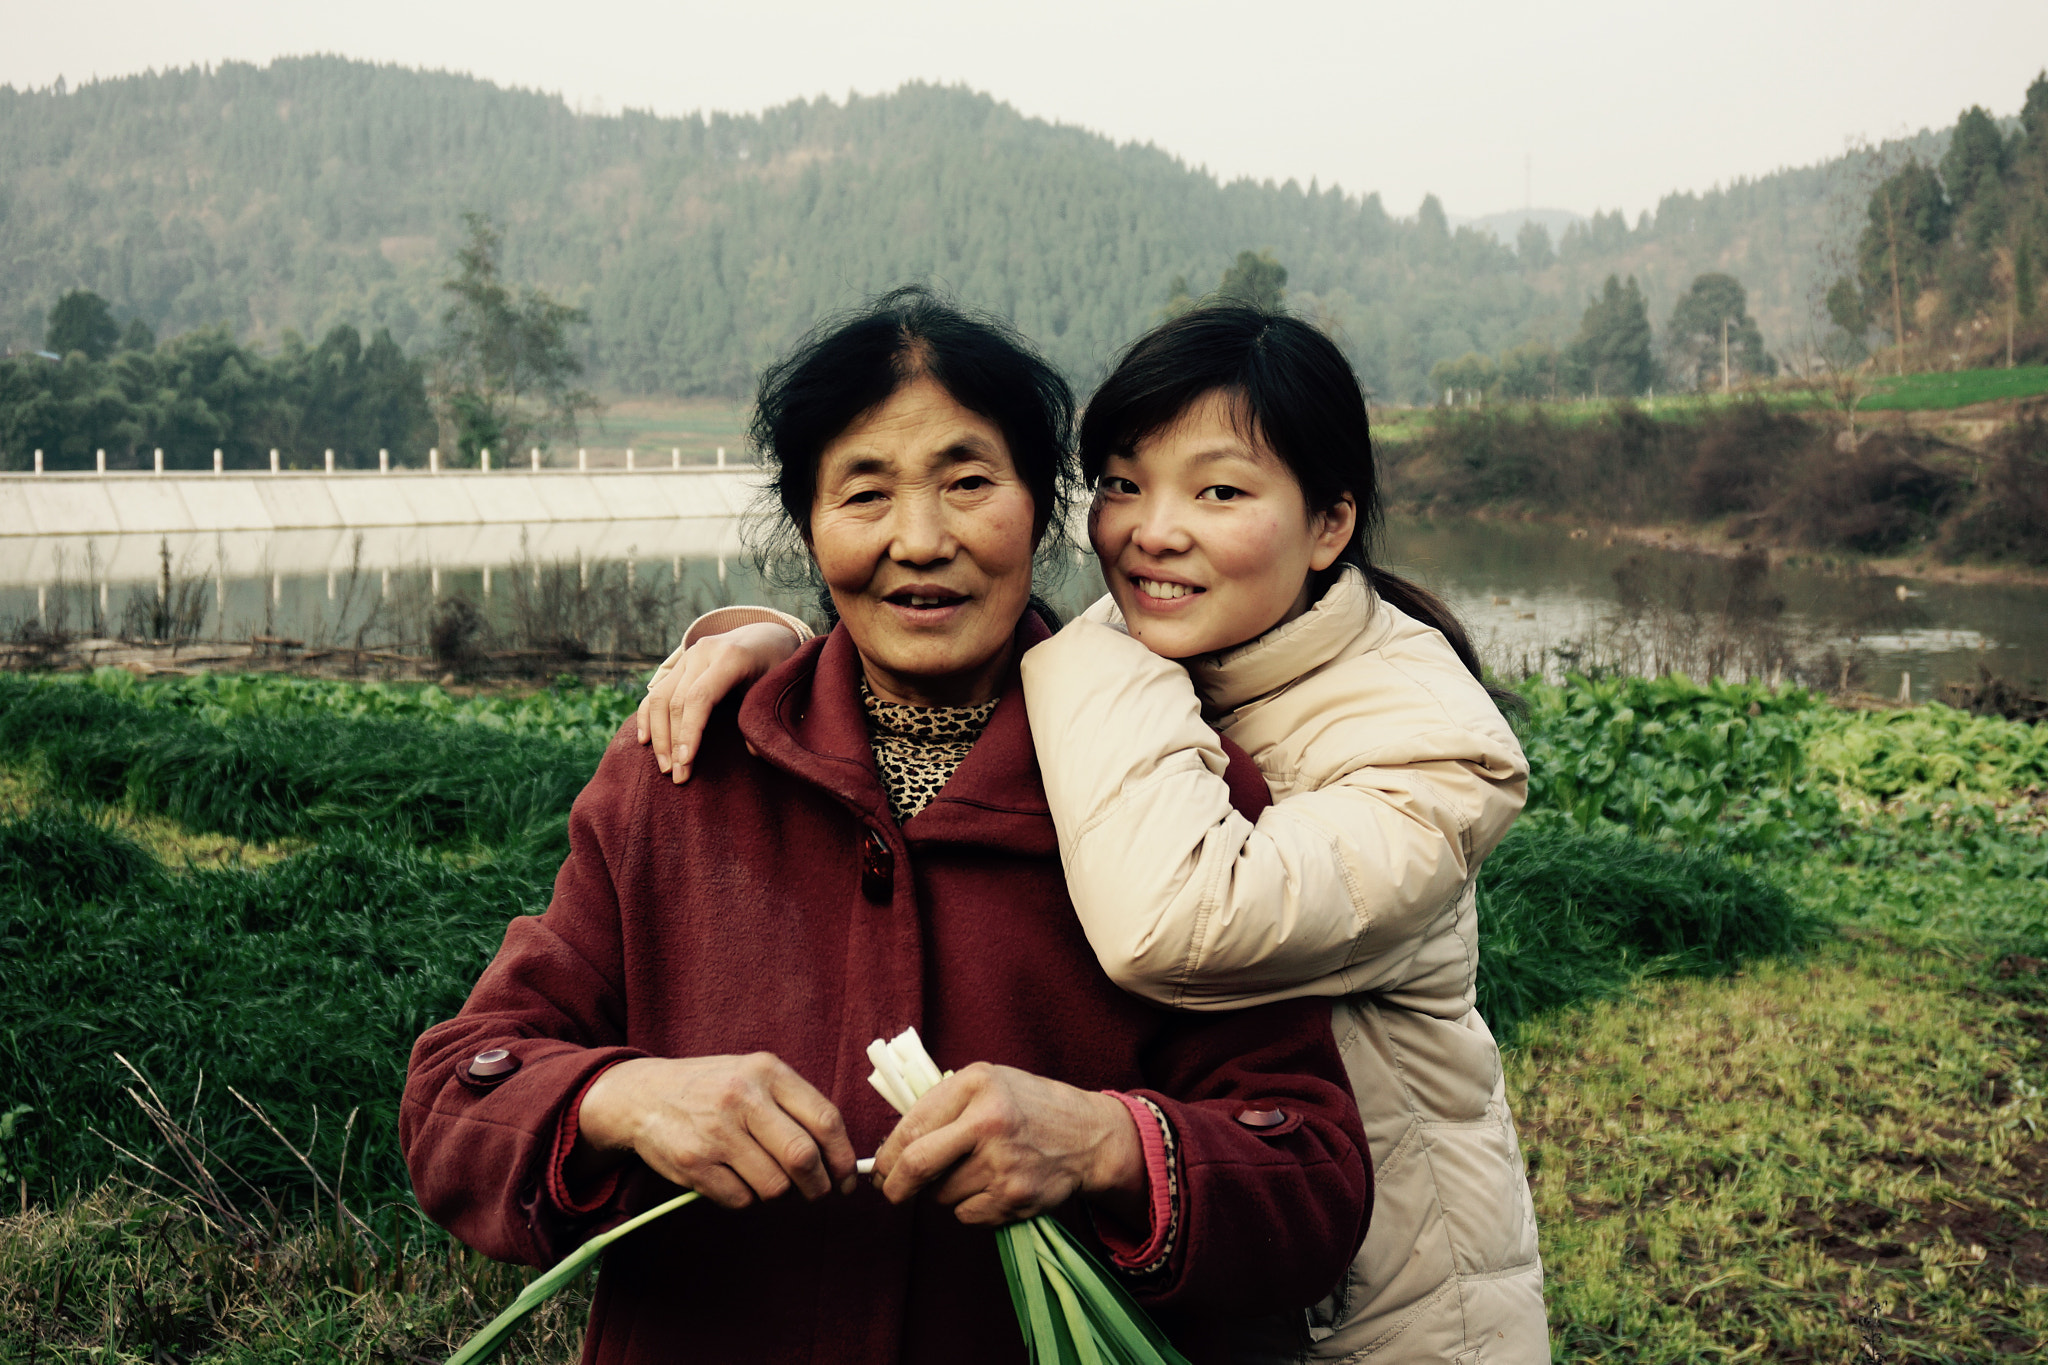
x=495, y=1333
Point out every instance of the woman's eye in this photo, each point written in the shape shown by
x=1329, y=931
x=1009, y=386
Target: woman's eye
x=866, y=495
x=1221, y=492
x=972, y=482
x=1112, y=484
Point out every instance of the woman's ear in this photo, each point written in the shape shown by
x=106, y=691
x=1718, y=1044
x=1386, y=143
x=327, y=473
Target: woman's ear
x=1331, y=530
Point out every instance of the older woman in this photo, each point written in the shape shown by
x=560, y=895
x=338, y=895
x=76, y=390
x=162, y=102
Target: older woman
x=869, y=848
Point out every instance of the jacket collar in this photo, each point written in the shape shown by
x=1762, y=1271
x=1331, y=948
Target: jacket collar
x=1336, y=626
x=805, y=718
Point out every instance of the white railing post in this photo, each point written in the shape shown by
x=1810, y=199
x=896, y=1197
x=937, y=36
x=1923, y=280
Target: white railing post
x=383, y=462
x=582, y=461
x=484, y=459
x=629, y=458
x=434, y=460
x=273, y=459
x=100, y=460
x=721, y=457
x=330, y=462
x=159, y=465
x=536, y=459
x=39, y=462
x=218, y=462
x=675, y=457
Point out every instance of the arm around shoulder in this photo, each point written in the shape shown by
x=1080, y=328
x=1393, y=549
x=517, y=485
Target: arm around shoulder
x=1187, y=902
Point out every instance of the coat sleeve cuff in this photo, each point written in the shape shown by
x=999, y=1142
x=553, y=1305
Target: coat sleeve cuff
x=571, y=1202
x=1156, y=1140
x=723, y=619
x=718, y=621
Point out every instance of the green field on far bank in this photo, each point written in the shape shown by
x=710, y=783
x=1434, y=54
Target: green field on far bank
x=1945, y=389
x=654, y=427
x=1770, y=974
x=1931, y=391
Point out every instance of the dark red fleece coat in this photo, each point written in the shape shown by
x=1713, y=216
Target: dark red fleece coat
x=729, y=916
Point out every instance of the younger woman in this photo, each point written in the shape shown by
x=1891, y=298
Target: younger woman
x=1235, y=499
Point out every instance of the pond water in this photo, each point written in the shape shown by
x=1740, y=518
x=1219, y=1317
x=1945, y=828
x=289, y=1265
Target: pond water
x=1532, y=596
x=1527, y=590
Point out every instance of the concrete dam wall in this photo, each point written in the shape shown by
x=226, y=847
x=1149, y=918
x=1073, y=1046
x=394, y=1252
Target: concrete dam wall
x=132, y=504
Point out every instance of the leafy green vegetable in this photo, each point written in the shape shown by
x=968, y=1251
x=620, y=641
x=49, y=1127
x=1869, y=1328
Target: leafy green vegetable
x=491, y=1338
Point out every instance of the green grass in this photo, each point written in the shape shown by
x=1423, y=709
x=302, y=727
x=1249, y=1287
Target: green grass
x=1934, y=391
x=1567, y=915
x=1821, y=1154
x=121, y=1277
x=1945, y=389
x=1745, y=951
x=696, y=426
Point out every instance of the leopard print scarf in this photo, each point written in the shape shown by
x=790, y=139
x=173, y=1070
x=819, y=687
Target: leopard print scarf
x=918, y=748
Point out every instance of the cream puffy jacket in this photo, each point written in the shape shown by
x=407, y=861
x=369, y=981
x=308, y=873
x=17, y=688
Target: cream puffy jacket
x=1392, y=775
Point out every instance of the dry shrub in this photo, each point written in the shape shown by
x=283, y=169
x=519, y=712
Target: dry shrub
x=1992, y=695
x=1776, y=475
x=1620, y=465
x=1878, y=499
x=2007, y=517
x=455, y=635
x=1741, y=457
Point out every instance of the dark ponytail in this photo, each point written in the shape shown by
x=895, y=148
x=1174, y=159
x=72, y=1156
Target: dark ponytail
x=1296, y=395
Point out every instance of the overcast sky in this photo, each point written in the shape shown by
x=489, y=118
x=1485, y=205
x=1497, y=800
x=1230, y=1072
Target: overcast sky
x=1603, y=103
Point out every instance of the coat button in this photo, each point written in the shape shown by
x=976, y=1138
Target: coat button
x=493, y=1066
x=877, y=869
x=1262, y=1118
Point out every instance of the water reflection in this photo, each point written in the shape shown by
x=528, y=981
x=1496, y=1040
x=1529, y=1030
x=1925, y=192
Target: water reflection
x=1526, y=591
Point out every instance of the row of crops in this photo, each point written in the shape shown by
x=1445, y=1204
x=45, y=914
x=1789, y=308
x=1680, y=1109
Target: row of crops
x=371, y=842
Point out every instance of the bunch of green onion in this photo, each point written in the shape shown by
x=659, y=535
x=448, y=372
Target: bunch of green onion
x=1071, y=1308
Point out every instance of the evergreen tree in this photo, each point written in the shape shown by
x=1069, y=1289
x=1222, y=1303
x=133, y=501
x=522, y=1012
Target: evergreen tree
x=506, y=375
x=1613, y=349
x=1909, y=217
x=81, y=321
x=1257, y=279
x=1532, y=246
x=1976, y=159
x=1694, y=337
x=1531, y=371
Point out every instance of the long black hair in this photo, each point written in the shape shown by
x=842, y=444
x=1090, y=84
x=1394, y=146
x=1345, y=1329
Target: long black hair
x=1295, y=394
x=851, y=364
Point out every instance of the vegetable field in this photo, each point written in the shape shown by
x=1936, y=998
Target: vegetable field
x=1770, y=973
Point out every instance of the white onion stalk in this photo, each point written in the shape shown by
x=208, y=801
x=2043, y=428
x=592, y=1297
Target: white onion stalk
x=1070, y=1307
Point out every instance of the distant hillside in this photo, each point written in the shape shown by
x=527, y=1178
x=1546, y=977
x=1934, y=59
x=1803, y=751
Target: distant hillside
x=1505, y=225
x=320, y=190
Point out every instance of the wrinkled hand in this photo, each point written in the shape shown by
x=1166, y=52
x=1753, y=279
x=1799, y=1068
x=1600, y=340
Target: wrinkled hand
x=736, y=1129
x=675, y=710
x=997, y=1145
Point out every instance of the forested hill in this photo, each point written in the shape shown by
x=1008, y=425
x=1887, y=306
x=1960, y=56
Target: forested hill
x=321, y=190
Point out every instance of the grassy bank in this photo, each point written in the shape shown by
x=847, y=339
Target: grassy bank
x=273, y=885
x=1752, y=469
x=1931, y=391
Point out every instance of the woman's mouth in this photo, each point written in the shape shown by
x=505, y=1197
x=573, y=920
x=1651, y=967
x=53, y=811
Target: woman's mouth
x=924, y=602
x=1159, y=592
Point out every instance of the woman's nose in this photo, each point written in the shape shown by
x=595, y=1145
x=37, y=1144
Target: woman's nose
x=920, y=533
x=1161, y=530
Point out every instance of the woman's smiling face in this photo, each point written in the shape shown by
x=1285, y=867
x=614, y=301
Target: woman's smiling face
x=1204, y=536
x=924, y=533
